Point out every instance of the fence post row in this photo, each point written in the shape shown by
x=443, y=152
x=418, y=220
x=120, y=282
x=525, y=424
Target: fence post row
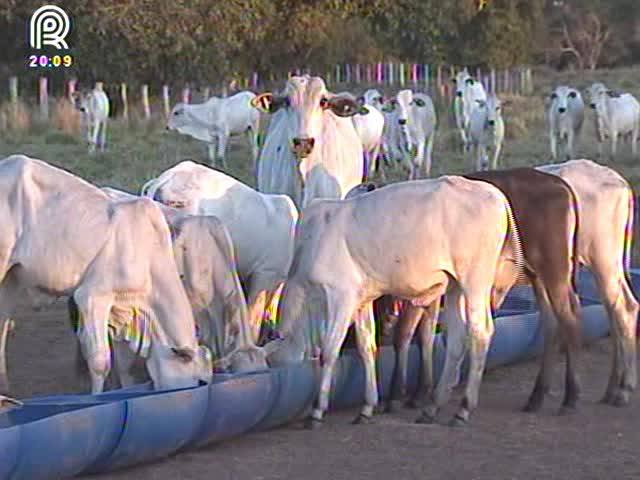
x=44, y=98
x=145, y=101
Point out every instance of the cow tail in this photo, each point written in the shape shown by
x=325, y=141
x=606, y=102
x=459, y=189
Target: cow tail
x=575, y=256
x=628, y=237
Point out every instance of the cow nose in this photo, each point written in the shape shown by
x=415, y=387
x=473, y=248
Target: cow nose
x=492, y=123
x=167, y=127
x=82, y=109
x=459, y=94
x=302, y=147
x=593, y=105
x=402, y=121
x=562, y=109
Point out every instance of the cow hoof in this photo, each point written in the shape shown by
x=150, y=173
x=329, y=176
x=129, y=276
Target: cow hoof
x=607, y=399
x=620, y=399
x=533, y=405
x=457, y=422
x=362, y=419
x=393, y=406
x=312, y=423
x=416, y=402
x=425, y=419
x=566, y=410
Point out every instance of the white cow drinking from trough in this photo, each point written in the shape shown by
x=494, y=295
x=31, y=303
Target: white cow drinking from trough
x=63, y=236
x=261, y=226
x=565, y=117
x=616, y=114
x=347, y=255
x=311, y=149
x=94, y=106
x=216, y=120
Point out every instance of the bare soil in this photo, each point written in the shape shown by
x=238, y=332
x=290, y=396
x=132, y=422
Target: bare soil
x=599, y=442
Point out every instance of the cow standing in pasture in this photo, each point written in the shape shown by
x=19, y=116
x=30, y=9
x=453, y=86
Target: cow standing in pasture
x=215, y=121
x=545, y=257
x=468, y=92
x=616, y=114
x=261, y=226
x=94, y=105
x=415, y=117
x=486, y=131
x=63, y=237
x=373, y=101
x=565, y=117
x=346, y=256
x=311, y=149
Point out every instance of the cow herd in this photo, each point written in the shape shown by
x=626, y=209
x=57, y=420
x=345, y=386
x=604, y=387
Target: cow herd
x=184, y=274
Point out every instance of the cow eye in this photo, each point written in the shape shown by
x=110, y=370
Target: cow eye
x=573, y=94
x=176, y=113
x=554, y=96
x=324, y=103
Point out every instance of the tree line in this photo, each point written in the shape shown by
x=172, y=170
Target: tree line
x=209, y=41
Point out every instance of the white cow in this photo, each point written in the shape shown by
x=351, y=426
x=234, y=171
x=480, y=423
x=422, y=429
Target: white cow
x=95, y=107
x=373, y=98
x=215, y=120
x=605, y=208
x=565, y=117
x=486, y=131
x=63, y=236
x=261, y=226
x=312, y=149
x=370, y=128
x=415, y=117
x=206, y=261
x=347, y=255
x=615, y=115
x=468, y=92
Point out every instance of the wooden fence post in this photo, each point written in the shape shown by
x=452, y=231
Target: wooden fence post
x=427, y=79
x=44, y=98
x=145, y=101
x=254, y=81
x=439, y=79
x=186, y=95
x=71, y=88
x=13, y=89
x=493, y=81
x=206, y=93
x=166, y=100
x=125, y=104
x=379, y=73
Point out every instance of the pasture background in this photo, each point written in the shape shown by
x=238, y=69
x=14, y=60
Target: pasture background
x=139, y=149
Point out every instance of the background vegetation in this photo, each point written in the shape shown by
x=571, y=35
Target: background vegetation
x=178, y=41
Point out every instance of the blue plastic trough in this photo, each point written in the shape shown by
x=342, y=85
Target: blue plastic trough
x=65, y=435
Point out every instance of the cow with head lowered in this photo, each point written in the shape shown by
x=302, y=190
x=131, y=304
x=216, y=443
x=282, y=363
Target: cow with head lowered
x=64, y=237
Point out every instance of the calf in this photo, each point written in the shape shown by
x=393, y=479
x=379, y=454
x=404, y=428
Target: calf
x=486, y=130
x=565, y=117
x=468, y=92
x=615, y=115
x=94, y=105
x=217, y=119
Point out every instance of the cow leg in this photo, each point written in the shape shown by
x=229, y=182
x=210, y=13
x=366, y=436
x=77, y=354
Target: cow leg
x=622, y=308
x=123, y=360
x=428, y=155
x=634, y=138
x=366, y=342
x=402, y=335
x=550, y=325
x=453, y=318
x=374, y=164
x=103, y=136
x=252, y=137
x=496, y=155
x=480, y=322
x=9, y=294
x=340, y=310
x=258, y=295
x=211, y=153
x=93, y=334
x=614, y=145
x=553, y=144
x=427, y=332
x=222, y=149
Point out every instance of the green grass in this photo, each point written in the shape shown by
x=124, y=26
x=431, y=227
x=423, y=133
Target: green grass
x=139, y=150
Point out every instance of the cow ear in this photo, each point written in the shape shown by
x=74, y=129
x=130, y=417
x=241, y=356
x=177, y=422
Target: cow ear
x=418, y=102
x=263, y=102
x=454, y=80
x=185, y=354
x=470, y=81
x=481, y=103
x=360, y=101
x=344, y=107
x=613, y=93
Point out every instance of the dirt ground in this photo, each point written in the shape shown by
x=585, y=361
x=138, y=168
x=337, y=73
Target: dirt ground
x=501, y=443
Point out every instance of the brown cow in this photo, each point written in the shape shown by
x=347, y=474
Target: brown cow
x=545, y=210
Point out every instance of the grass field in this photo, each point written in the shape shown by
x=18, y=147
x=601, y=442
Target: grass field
x=139, y=149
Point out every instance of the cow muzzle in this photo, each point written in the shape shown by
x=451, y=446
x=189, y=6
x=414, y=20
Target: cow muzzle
x=302, y=147
x=402, y=121
x=562, y=109
x=593, y=106
x=491, y=123
x=459, y=94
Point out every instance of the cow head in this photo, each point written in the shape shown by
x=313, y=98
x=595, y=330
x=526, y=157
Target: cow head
x=493, y=106
x=373, y=97
x=177, y=192
x=462, y=80
x=360, y=190
x=562, y=96
x=308, y=100
x=80, y=101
